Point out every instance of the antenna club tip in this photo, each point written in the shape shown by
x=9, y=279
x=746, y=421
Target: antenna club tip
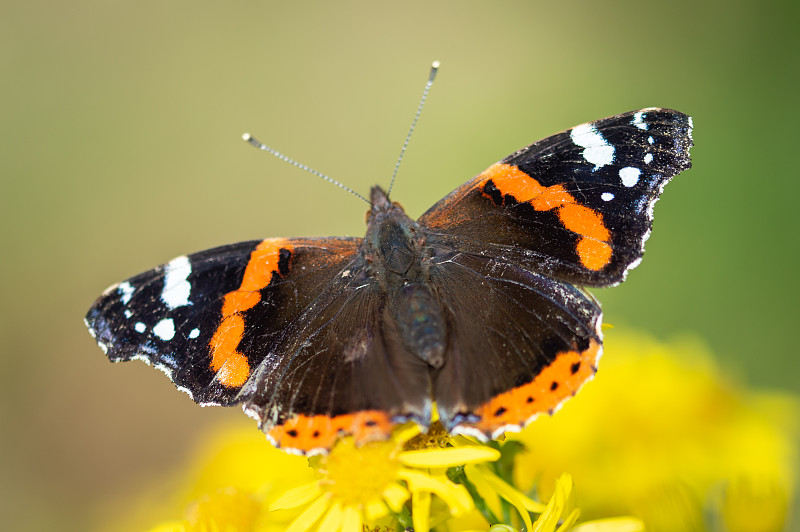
x=434, y=70
x=246, y=137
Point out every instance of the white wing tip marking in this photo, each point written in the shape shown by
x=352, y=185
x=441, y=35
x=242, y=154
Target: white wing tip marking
x=177, y=288
x=597, y=150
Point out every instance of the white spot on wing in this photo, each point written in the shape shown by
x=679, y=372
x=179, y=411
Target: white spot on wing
x=629, y=176
x=253, y=414
x=143, y=358
x=597, y=150
x=165, y=329
x=606, y=196
x=194, y=333
x=125, y=292
x=176, y=286
x=128, y=313
x=317, y=450
x=103, y=347
x=139, y=327
x=638, y=121
x=648, y=158
x=650, y=140
x=91, y=329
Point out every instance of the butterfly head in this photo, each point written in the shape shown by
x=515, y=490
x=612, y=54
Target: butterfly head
x=392, y=242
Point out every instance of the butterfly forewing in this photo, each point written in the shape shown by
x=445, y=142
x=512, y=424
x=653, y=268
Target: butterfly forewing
x=578, y=205
x=208, y=319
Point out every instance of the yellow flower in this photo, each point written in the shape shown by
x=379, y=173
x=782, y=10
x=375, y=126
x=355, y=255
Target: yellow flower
x=423, y=481
x=659, y=433
x=754, y=505
x=233, y=474
x=560, y=515
x=366, y=484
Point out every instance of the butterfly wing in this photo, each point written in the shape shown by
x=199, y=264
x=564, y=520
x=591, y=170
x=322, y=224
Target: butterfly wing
x=576, y=206
x=340, y=368
x=187, y=317
x=290, y=328
x=530, y=343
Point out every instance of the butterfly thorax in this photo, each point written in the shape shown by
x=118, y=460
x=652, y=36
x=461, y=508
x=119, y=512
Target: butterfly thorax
x=396, y=256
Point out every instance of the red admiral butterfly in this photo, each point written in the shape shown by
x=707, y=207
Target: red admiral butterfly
x=477, y=306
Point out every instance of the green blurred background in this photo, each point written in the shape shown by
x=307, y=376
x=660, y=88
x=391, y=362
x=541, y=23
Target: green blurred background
x=120, y=149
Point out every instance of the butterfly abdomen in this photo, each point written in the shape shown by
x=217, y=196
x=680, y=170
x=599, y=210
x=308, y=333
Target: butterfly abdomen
x=421, y=324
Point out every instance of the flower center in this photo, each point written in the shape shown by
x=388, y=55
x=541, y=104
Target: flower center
x=358, y=475
x=435, y=438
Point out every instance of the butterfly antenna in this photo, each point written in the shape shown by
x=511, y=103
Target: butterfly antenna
x=254, y=142
x=428, y=85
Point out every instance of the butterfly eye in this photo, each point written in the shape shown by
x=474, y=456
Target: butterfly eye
x=368, y=216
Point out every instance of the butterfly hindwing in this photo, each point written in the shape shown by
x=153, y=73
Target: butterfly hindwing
x=529, y=345
x=340, y=368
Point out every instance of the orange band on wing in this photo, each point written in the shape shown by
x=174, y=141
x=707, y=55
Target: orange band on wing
x=231, y=367
x=594, y=249
x=557, y=382
x=306, y=433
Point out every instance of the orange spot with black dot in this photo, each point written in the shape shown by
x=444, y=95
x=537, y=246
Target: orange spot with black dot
x=556, y=383
x=307, y=433
x=593, y=249
x=231, y=367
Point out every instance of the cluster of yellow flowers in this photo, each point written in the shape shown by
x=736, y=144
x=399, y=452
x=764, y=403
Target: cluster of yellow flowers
x=660, y=438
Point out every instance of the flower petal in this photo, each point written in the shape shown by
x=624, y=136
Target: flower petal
x=455, y=496
x=450, y=457
x=332, y=521
x=490, y=497
x=395, y=496
x=571, y=519
x=548, y=521
x=374, y=510
x=461, y=440
x=310, y=516
x=351, y=521
x=405, y=432
x=511, y=494
x=297, y=496
x=421, y=510
x=529, y=504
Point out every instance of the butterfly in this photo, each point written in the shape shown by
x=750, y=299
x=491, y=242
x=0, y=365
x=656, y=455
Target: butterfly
x=478, y=307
